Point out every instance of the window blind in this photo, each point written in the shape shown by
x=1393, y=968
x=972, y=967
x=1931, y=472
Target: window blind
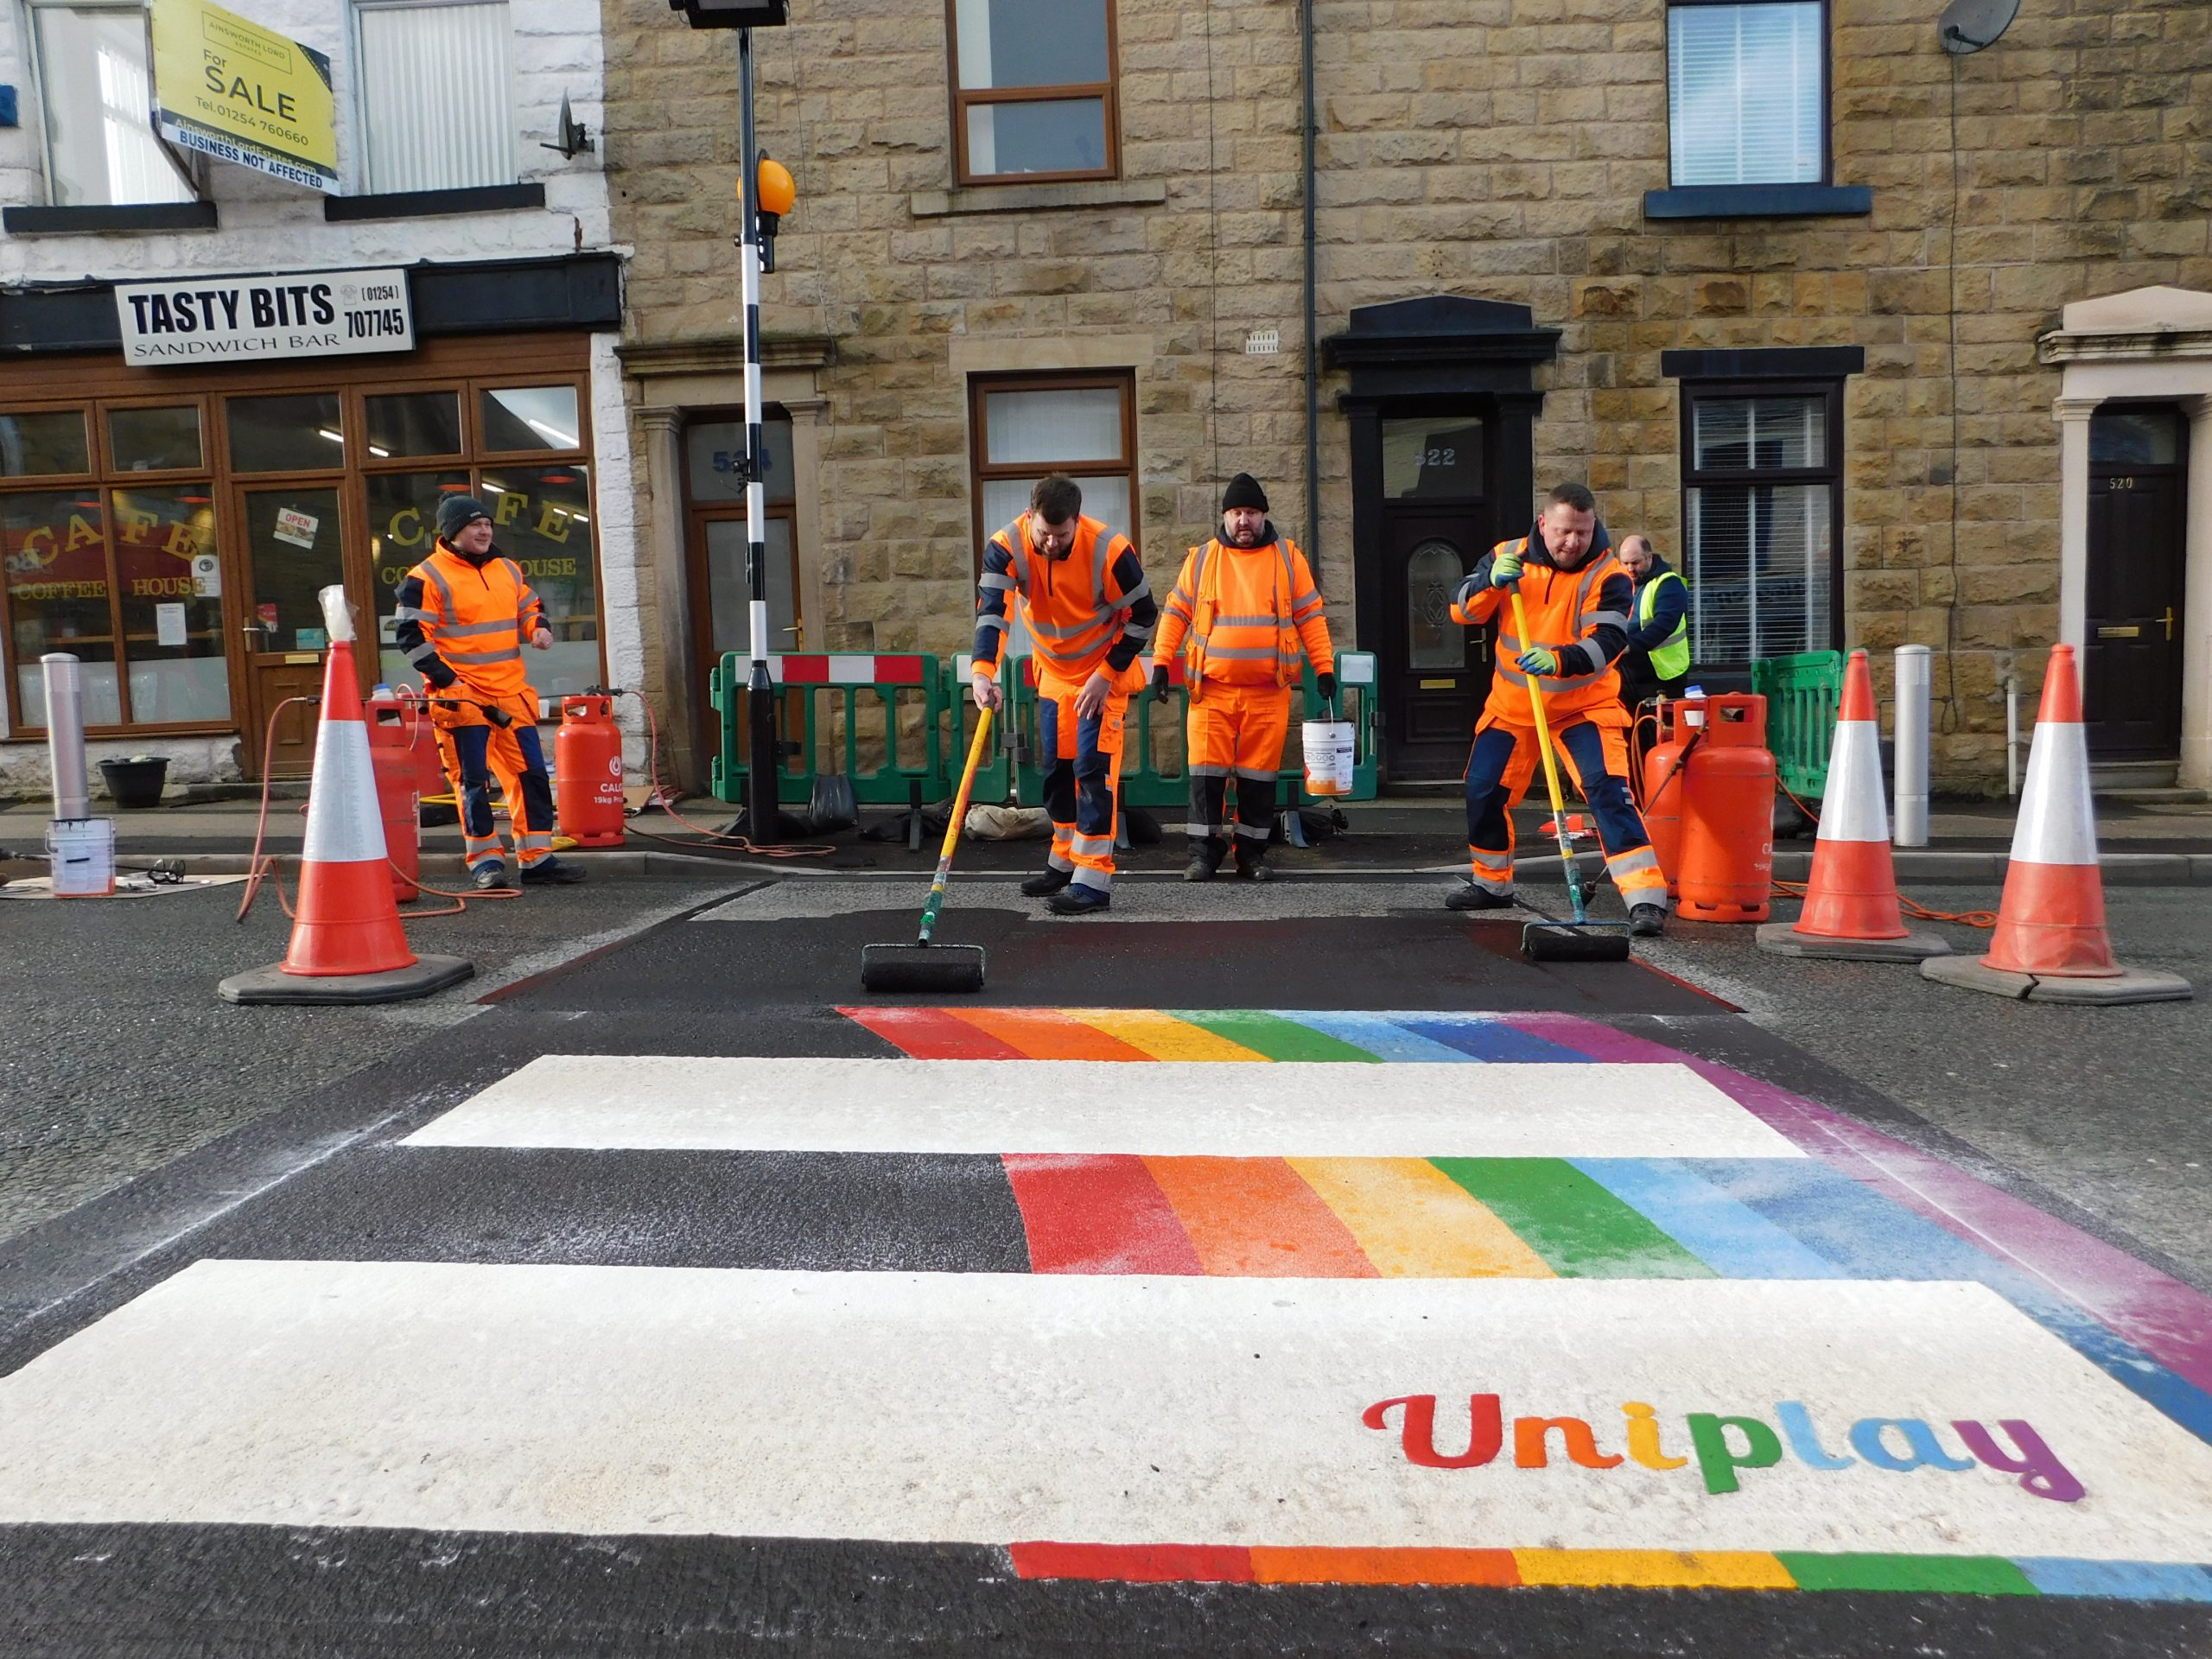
x=1743, y=93
x=437, y=101
x=1761, y=556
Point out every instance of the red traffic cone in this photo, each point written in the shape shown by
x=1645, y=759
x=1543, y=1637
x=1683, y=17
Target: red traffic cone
x=1851, y=903
x=2051, y=944
x=347, y=944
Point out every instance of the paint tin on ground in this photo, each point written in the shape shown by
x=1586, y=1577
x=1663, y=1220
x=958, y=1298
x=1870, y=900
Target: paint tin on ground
x=82, y=854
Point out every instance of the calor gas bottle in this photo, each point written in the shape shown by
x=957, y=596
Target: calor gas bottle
x=1727, y=807
x=588, y=772
x=1664, y=783
x=397, y=733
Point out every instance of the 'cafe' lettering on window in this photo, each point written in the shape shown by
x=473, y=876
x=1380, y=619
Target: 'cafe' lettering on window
x=55, y=562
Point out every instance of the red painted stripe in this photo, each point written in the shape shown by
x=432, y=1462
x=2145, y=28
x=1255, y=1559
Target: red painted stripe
x=1096, y=1213
x=931, y=1034
x=898, y=670
x=1136, y=1563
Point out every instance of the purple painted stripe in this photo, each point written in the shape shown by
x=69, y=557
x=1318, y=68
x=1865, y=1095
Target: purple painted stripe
x=2159, y=1314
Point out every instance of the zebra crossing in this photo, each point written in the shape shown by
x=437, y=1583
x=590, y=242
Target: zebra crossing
x=1264, y=1296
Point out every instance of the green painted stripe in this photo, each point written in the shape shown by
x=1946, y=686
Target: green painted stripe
x=1271, y=1034
x=1573, y=1222
x=1956, y=1575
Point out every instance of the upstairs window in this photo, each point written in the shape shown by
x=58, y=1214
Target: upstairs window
x=438, y=95
x=1747, y=92
x=1033, y=90
x=97, y=98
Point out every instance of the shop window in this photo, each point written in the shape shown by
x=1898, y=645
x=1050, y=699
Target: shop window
x=1033, y=90
x=403, y=521
x=411, y=423
x=1084, y=426
x=518, y=419
x=436, y=95
x=49, y=444
x=302, y=432
x=1747, y=92
x=1763, y=501
x=155, y=440
x=542, y=516
x=97, y=99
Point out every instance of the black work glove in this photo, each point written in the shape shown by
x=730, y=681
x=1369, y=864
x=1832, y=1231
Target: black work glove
x=1327, y=683
x=1160, y=685
x=439, y=675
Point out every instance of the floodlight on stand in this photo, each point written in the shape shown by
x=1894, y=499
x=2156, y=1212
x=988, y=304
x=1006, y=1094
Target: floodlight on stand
x=734, y=13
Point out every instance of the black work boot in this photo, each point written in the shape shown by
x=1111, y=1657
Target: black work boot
x=1471, y=897
x=1206, y=862
x=1079, y=901
x=1647, y=921
x=1045, y=883
x=1253, y=865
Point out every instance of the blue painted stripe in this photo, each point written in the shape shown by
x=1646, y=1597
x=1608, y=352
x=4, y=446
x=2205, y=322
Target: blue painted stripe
x=1732, y=1239
x=1871, y=1237
x=2055, y=1575
x=1489, y=1040
x=1375, y=1034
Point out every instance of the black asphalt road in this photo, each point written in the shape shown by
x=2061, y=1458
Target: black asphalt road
x=321, y=1180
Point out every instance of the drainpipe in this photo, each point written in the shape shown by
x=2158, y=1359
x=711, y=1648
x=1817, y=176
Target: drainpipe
x=1312, y=367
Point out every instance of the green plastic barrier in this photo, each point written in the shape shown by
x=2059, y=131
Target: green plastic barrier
x=1802, y=693
x=822, y=704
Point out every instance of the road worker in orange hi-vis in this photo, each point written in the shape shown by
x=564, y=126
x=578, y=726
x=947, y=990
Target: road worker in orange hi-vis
x=464, y=615
x=1244, y=610
x=1089, y=614
x=1577, y=600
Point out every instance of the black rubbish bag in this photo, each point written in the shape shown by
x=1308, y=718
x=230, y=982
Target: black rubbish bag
x=832, y=806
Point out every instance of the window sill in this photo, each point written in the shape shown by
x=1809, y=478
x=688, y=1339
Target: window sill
x=1758, y=201
x=1031, y=198
x=91, y=220
x=430, y=204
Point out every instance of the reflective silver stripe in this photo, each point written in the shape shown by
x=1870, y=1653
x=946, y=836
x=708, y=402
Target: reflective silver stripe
x=1046, y=630
x=535, y=841
x=422, y=653
x=1255, y=831
x=1208, y=772
x=437, y=579
x=1102, y=560
x=1243, y=653
x=987, y=620
x=409, y=614
x=1091, y=846
x=1137, y=630
x=1600, y=619
x=1257, y=776
x=1177, y=596
x=463, y=630
x=1207, y=832
x=1017, y=548
x=1142, y=590
x=993, y=582
x=1637, y=858
x=1054, y=860
x=1503, y=889
x=1264, y=621
x=1099, y=880
x=1513, y=676
x=512, y=653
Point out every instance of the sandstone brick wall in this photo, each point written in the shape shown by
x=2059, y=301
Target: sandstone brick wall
x=1498, y=149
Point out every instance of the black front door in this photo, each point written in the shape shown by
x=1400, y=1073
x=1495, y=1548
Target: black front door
x=2132, y=660
x=1434, y=673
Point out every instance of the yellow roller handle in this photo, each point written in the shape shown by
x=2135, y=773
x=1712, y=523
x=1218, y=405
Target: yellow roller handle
x=1543, y=729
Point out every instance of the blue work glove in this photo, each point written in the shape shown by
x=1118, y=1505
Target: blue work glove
x=1540, y=660
x=1505, y=570
x=1326, y=684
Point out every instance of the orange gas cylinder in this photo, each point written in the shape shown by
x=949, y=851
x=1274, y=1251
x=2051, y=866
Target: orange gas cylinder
x=1727, y=873
x=391, y=724
x=588, y=772
x=1662, y=794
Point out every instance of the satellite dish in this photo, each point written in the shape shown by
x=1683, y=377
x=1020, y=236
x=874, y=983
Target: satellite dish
x=573, y=138
x=1969, y=25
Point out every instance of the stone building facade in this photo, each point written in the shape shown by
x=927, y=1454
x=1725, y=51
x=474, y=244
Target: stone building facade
x=1974, y=299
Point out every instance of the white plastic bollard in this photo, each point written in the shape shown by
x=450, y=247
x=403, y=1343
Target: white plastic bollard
x=1915, y=680
x=64, y=736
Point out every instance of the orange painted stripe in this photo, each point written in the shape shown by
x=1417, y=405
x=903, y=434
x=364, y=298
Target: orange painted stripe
x=1256, y=1218
x=1412, y=1566
x=1654, y=1569
x=1048, y=1034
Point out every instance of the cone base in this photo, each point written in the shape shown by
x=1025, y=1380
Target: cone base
x=1782, y=939
x=2129, y=985
x=273, y=984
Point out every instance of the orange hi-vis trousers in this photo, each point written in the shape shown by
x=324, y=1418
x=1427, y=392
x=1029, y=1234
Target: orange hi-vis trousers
x=1235, y=731
x=1083, y=774
x=503, y=757
x=1594, y=746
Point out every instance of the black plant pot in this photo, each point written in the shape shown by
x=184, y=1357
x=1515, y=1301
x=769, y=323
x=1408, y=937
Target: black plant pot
x=136, y=783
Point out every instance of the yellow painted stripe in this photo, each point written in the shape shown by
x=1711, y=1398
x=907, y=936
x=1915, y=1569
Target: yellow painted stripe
x=1416, y=1221
x=1654, y=1569
x=1162, y=1035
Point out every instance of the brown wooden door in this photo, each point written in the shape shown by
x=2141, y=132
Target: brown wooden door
x=1434, y=673
x=2131, y=658
x=295, y=546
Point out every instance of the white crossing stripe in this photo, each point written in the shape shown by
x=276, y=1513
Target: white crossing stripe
x=1173, y=1107
x=991, y=1409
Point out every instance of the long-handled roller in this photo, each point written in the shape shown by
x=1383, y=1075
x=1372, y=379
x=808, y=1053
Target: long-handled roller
x=922, y=966
x=1578, y=939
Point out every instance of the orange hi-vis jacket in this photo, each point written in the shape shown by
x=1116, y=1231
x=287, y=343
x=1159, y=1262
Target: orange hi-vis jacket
x=1581, y=614
x=462, y=623
x=1243, y=616
x=1089, y=611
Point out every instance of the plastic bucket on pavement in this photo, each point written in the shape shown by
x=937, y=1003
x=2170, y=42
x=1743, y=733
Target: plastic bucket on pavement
x=1328, y=748
x=82, y=855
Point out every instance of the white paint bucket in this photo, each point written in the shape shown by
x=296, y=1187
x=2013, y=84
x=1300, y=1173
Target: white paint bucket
x=82, y=854
x=1328, y=756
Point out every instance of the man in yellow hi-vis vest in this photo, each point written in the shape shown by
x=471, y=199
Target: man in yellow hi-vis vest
x=1657, y=661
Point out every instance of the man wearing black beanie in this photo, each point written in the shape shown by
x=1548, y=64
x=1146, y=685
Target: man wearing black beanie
x=1244, y=610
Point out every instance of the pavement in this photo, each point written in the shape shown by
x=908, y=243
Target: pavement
x=1292, y=1269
